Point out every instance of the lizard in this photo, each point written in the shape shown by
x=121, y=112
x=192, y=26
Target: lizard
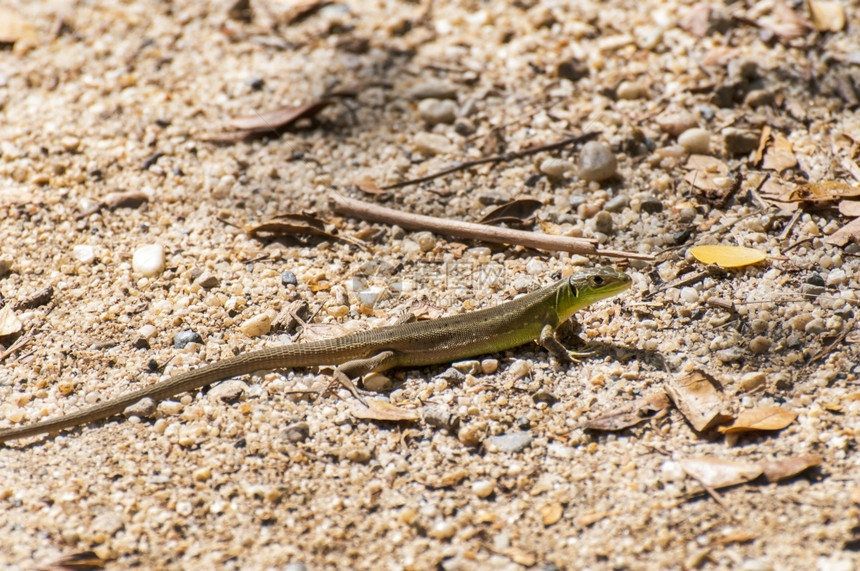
x=531, y=317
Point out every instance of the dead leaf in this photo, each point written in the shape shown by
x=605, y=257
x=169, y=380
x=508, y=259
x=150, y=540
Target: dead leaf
x=827, y=15
x=296, y=224
x=824, y=191
x=368, y=186
x=779, y=155
x=279, y=118
x=378, y=409
x=716, y=473
x=519, y=211
x=850, y=231
x=775, y=470
x=699, y=400
x=9, y=322
x=301, y=10
x=849, y=208
x=763, y=140
x=727, y=256
x=710, y=175
x=785, y=22
x=773, y=192
x=631, y=414
x=76, y=561
x=551, y=513
x=736, y=537
x=761, y=418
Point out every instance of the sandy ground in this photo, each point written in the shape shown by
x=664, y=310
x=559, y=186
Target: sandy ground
x=109, y=119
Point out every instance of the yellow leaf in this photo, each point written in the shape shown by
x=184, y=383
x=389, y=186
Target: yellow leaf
x=762, y=418
x=727, y=256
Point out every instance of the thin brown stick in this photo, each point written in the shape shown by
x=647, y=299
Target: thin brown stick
x=375, y=213
x=504, y=157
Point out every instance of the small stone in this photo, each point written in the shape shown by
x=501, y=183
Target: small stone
x=760, y=98
x=359, y=455
x=730, y=355
x=798, y=322
x=148, y=260
x=258, y=325
x=288, y=278
x=442, y=530
x=489, y=366
x=5, y=266
x=202, y=474
x=836, y=277
x=125, y=199
x=432, y=144
x=107, y=523
x=651, y=205
x=426, y=241
x=207, y=280
x=297, y=432
x=435, y=111
x=144, y=408
x=597, y=162
x=616, y=203
x=9, y=322
x=752, y=381
x=483, y=488
x=572, y=70
x=535, y=267
x=464, y=127
x=545, y=396
x=470, y=367
x=376, y=382
x=695, y=140
x=229, y=391
x=140, y=342
x=183, y=338
x=740, y=141
x=433, y=89
x=511, y=442
x=816, y=326
x=84, y=254
x=689, y=295
x=440, y=416
x=556, y=168
x=603, y=222
x=676, y=122
x=523, y=423
x=631, y=90
x=760, y=345
x=472, y=434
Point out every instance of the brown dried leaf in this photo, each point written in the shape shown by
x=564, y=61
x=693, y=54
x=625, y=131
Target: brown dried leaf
x=779, y=155
x=76, y=561
x=293, y=224
x=368, y=186
x=716, y=473
x=378, y=409
x=824, y=191
x=631, y=414
x=697, y=397
x=761, y=418
x=279, y=118
x=708, y=174
x=450, y=479
x=785, y=22
x=827, y=15
x=302, y=10
x=775, y=470
x=551, y=513
x=849, y=208
x=850, y=231
x=773, y=190
x=519, y=211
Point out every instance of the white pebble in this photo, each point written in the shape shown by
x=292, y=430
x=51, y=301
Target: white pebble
x=432, y=144
x=631, y=90
x=148, y=260
x=84, y=254
x=435, y=111
x=556, y=168
x=689, y=295
x=258, y=325
x=483, y=488
x=535, y=267
x=489, y=366
x=836, y=277
x=597, y=162
x=695, y=140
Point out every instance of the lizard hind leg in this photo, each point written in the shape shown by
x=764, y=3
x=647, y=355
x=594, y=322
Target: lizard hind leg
x=346, y=372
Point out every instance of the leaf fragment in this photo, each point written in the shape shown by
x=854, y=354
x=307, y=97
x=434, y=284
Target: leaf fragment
x=697, y=397
x=850, y=231
x=850, y=208
x=761, y=418
x=823, y=191
x=296, y=224
x=9, y=322
x=827, y=15
x=727, y=256
x=779, y=156
x=776, y=470
x=378, y=409
x=651, y=406
x=519, y=211
x=716, y=473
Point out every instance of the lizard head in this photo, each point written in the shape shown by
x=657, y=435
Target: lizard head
x=584, y=288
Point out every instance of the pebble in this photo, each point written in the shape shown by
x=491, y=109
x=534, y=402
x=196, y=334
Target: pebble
x=183, y=338
x=651, y=205
x=597, y=162
x=228, y=391
x=836, y=278
x=442, y=530
x=376, y=382
x=107, y=523
x=148, y=260
x=144, y=408
x=432, y=144
x=489, y=366
x=296, y=432
x=433, y=89
x=483, y=488
x=9, y=322
x=631, y=90
x=207, y=280
x=616, y=203
x=426, y=241
x=740, y=141
x=258, y=325
x=815, y=326
x=695, y=140
x=436, y=111
x=472, y=434
x=125, y=199
x=730, y=355
x=689, y=295
x=470, y=367
x=760, y=344
x=603, y=222
x=359, y=455
x=84, y=254
x=511, y=442
x=676, y=122
x=535, y=267
x=572, y=70
x=759, y=98
x=752, y=381
x=288, y=278
x=556, y=168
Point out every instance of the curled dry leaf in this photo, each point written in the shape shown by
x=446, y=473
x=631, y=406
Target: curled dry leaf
x=779, y=155
x=727, y=256
x=850, y=231
x=850, y=208
x=296, y=224
x=708, y=174
x=378, y=409
x=697, y=397
x=775, y=470
x=652, y=406
x=716, y=473
x=761, y=418
x=519, y=211
x=824, y=191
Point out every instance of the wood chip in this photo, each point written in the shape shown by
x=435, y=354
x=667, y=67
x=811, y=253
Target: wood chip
x=699, y=399
x=761, y=418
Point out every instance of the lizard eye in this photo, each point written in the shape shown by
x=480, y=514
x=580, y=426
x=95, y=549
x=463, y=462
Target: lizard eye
x=598, y=280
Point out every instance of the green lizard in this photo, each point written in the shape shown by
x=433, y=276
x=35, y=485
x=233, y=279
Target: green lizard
x=531, y=317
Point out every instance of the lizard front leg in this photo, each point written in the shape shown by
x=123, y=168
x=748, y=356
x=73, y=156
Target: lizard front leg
x=550, y=342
